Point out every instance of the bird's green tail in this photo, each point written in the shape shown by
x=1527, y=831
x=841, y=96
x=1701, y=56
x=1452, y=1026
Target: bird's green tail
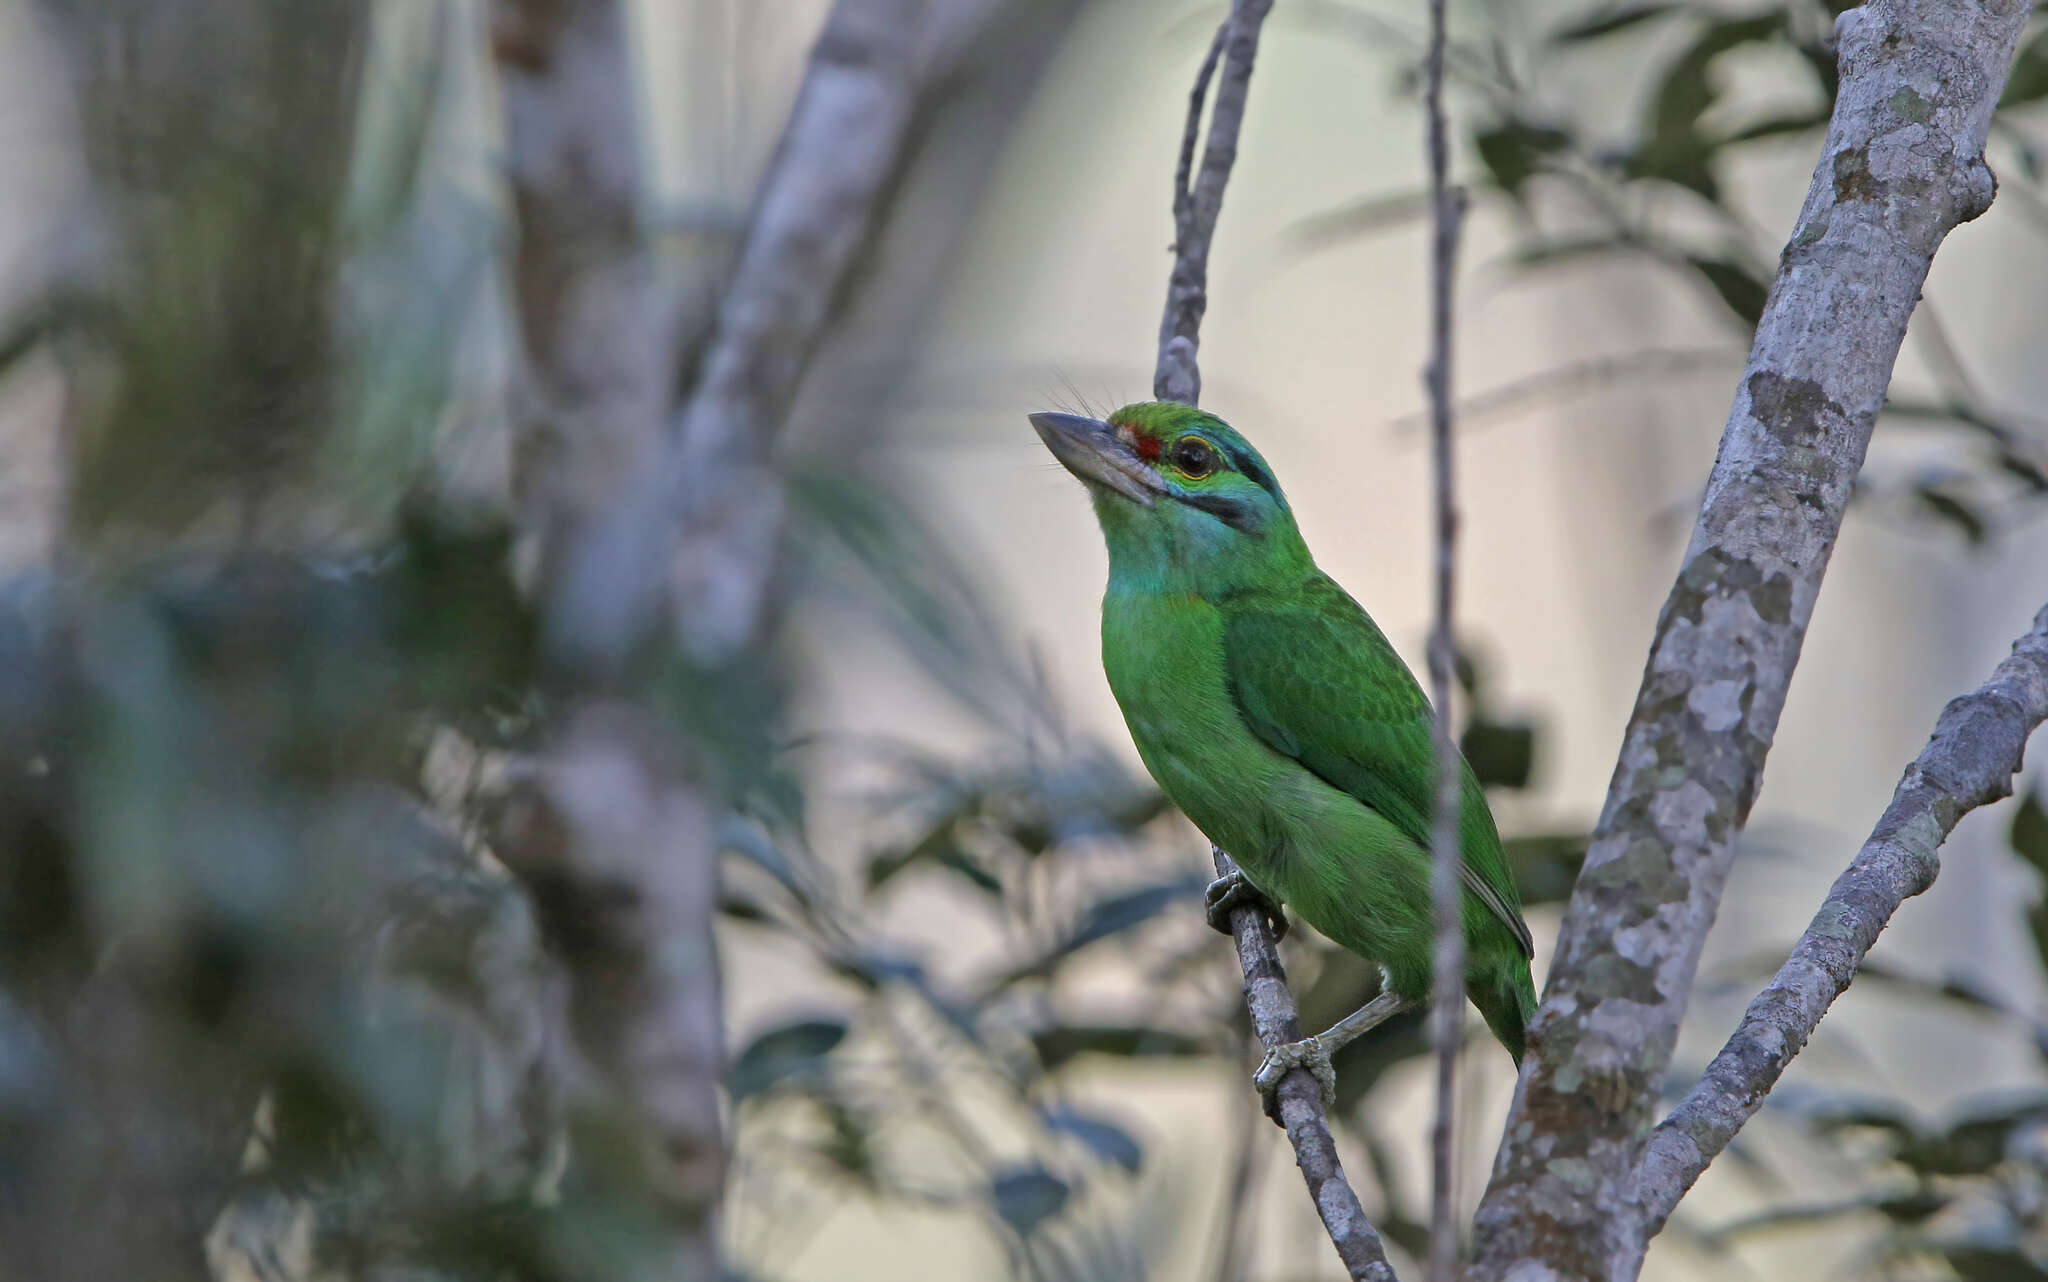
x=1507, y=999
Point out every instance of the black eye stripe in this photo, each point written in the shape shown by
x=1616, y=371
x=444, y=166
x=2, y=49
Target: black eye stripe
x=1243, y=461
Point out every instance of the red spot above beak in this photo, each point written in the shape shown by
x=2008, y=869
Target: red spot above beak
x=1148, y=447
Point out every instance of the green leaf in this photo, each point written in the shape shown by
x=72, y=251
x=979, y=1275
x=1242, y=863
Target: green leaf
x=1106, y=1139
x=2029, y=472
x=1546, y=864
x=1121, y=912
x=2029, y=831
x=782, y=1053
x=1944, y=504
x=1513, y=151
x=1797, y=122
x=1608, y=21
x=1062, y=1043
x=1673, y=148
x=1977, y=1139
x=2029, y=79
x=1502, y=753
x=1743, y=292
x=1027, y=1197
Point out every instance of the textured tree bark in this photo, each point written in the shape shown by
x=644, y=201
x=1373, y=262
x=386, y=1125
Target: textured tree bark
x=1977, y=747
x=1902, y=166
x=845, y=142
x=618, y=837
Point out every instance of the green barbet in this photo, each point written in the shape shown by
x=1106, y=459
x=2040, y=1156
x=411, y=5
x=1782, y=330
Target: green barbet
x=1274, y=713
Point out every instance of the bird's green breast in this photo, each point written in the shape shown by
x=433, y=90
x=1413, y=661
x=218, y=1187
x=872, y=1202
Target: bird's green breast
x=1163, y=654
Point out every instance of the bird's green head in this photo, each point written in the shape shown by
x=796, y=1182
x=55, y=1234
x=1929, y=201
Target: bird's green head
x=1185, y=502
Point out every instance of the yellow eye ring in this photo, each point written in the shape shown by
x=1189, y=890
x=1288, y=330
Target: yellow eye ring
x=1193, y=457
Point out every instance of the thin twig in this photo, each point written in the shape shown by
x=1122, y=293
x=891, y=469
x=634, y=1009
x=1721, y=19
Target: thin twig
x=1977, y=747
x=1447, y=1004
x=1298, y=1101
x=1196, y=204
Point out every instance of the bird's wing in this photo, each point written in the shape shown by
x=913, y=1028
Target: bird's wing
x=1315, y=679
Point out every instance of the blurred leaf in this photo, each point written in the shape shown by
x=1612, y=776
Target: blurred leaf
x=2029, y=831
x=1743, y=292
x=1911, y=1207
x=1513, y=151
x=1363, y=217
x=753, y=844
x=1673, y=148
x=785, y=1052
x=1553, y=253
x=2029, y=79
x=1121, y=912
x=919, y=586
x=1546, y=864
x=849, y=1147
x=2025, y=469
x=1062, y=1043
x=1362, y=1064
x=1606, y=22
x=939, y=845
x=1942, y=502
x=1959, y=989
x=1502, y=753
x=1797, y=122
x=1027, y=1197
x=1106, y=1139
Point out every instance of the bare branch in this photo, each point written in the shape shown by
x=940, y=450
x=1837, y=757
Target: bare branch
x=1447, y=999
x=846, y=138
x=1196, y=206
x=1902, y=166
x=1977, y=747
x=1298, y=1101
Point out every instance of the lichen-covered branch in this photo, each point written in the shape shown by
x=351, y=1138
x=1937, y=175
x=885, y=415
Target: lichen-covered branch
x=1198, y=203
x=1902, y=166
x=1298, y=1101
x=1977, y=747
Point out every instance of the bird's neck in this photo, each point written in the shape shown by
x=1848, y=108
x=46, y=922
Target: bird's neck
x=1182, y=552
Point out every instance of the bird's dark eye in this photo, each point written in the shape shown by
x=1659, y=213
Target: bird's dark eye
x=1193, y=457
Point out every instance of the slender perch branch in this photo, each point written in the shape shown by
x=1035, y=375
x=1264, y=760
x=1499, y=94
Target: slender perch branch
x=1197, y=204
x=1977, y=747
x=1298, y=1100
x=1902, y=166
x=1447, y=997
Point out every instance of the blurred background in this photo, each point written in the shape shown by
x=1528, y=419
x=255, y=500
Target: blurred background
x=280, y=998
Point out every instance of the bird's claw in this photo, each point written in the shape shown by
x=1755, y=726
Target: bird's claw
x=1309, y=1053
x=1234, y=890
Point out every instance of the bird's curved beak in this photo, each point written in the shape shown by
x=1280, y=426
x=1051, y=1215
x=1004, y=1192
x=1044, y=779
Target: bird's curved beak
x=1092, y=450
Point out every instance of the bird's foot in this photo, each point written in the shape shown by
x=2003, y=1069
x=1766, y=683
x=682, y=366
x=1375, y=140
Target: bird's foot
x=1234, y=890
x=1309, y=1053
